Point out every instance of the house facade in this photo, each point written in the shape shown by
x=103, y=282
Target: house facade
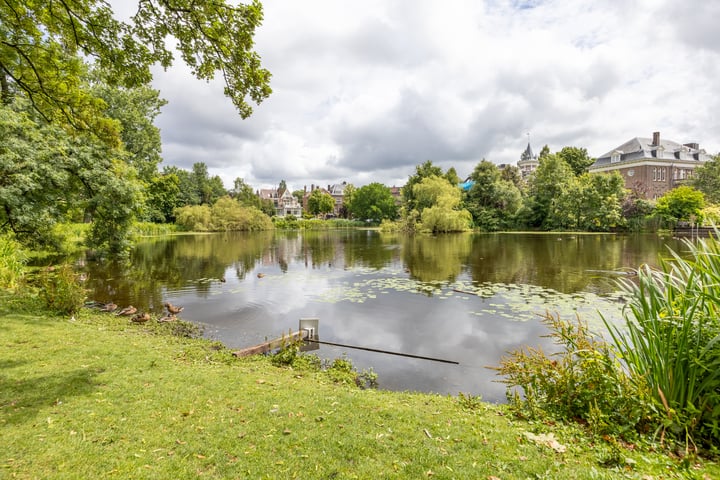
x=283, y=201
x=652, y=166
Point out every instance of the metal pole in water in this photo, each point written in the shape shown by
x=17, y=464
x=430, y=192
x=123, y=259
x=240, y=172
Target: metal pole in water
x=387, y=352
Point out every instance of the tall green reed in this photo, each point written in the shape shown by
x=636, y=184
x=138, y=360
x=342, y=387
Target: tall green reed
x=12, y=263
x=670, y=340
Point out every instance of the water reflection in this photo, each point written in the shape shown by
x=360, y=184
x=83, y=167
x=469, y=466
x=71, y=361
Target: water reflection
x=468, y=297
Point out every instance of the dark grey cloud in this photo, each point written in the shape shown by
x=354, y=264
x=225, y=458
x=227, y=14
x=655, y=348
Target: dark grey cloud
x=365, y=91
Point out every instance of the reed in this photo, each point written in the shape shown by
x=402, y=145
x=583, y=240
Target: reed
x=12, y=263
x=670, y=340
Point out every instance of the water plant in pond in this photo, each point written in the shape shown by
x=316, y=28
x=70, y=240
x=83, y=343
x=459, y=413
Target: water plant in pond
x=670, y=340
x=583, y=381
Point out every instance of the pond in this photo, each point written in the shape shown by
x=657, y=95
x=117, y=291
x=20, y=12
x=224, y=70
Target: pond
x=466, y=298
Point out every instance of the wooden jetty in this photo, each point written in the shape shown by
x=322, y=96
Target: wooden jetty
x=273, y=344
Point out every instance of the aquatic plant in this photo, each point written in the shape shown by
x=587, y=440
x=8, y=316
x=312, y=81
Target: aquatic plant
x=670, y=340
x=582, y=381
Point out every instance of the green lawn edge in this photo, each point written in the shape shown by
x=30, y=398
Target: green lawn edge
x=96, y=396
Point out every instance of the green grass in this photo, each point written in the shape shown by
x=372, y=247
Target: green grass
x=96, y=396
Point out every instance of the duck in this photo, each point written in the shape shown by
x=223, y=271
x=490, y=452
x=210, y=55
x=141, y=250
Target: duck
x=141, y=317
x=260, y=275
x=173, y=309
x=168, y=318
x=108, y=307
x=127, y=311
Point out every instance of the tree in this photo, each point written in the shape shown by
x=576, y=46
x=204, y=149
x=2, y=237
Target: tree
x=48, y=176
x=577, y=158
x=373, y=202
x=135, y=109
x=547, y=184
x=683, y=203
x=440, y=202
x=511, y=173
x=706, y=178
x=43, y=47
x=492, y=201
x=243, y=193
x=590, y=202
x=162, y=198
x=452, y=176
x=320, y=202
x=347, y=201
x=427, y=169
x=299, y=194
x=544, y=152
x=209, y=189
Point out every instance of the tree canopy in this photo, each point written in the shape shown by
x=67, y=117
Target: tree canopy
x=373, y=202
x=320, y=202
x=706, y=178
x=44, y=47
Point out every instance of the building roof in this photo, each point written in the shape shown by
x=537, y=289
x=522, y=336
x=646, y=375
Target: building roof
x=638, y=148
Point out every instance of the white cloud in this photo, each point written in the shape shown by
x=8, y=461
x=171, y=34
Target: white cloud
x=364, y=91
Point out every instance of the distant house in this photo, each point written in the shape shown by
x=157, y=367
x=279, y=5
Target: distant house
x=337, y=191
x=528, y=162
x=652, y=166
x=283, y=201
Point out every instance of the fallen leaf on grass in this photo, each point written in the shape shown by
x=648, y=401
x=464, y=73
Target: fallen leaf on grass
x=547, y=440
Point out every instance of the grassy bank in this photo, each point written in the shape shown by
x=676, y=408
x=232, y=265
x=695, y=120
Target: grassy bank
x=96, y=396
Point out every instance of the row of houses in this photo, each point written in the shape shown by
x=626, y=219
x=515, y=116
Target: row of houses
x=287, y=204
x=650, y=166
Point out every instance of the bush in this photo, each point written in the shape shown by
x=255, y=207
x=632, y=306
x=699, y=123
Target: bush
x=582, y=382
x=193, y=218
x=61, y=291
x=226, y=215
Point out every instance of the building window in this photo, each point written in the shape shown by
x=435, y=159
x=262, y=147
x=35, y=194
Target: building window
x=615, y=158
x=655, y=175
x=662, y=174
x=631, y=172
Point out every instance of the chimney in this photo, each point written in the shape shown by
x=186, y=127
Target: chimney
x=328, y=187
x=312, y=187
x=656, y=138
x=305, y=188
x=693, y=145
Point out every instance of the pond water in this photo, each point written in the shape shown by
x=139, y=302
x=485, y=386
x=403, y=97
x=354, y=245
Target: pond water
x=467, y=298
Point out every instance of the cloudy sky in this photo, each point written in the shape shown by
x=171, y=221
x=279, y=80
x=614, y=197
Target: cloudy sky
x=364, y=91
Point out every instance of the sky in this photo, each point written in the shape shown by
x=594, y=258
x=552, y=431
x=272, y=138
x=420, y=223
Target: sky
x=364, y=91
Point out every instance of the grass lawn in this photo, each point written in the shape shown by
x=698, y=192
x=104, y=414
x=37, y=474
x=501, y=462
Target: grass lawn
x=99, y=397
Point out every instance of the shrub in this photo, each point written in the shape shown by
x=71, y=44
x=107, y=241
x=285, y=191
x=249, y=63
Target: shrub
x=61, y=291
x=581, y=382
x=670, y=341
x=194, y=218
x=226, y=215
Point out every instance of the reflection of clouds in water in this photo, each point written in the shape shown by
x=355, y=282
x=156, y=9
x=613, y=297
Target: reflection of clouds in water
x=364, y=291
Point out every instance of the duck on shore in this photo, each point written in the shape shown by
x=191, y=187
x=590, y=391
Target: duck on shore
x=173, y=309
x=167, y=318
x=108, y=307
x=141, y=317
x=127, y=311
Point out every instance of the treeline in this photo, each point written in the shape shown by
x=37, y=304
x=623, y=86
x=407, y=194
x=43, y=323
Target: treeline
x=559, y=195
